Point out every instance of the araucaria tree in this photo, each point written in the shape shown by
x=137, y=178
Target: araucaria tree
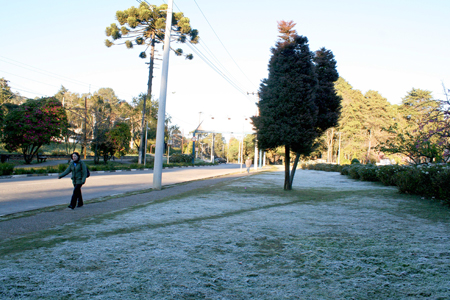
x=298, y=101
x=33, y=124
x=146, y=26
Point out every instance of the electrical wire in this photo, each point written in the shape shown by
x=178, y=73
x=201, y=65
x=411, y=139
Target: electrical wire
x=222, y=43
x=29, y=79
x=12, y=87
x=216, y=69
x=37, y=70
x=47, y=73
x=220, y=69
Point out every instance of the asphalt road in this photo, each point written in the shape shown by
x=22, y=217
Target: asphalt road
x=24, y=194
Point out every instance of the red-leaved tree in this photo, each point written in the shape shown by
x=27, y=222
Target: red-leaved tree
x=33, y=124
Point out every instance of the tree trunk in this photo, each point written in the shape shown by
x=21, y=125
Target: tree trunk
x=28, y=153
x=287, y=177
x=294, y=168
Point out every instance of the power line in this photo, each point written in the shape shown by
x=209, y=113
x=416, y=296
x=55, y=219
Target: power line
x=221, y=70
x=28, y=79
x=222, y=43
x=216, y=69
x=37, y=70
x=47, y=73
x=27, y=91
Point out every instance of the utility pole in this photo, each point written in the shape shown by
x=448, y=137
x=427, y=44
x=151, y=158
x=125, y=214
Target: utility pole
x=339, y=149
x=182, y=136
x=157, y=169
x=255, y=165
x=212, y=148
x=85, y=124
x=145, y=145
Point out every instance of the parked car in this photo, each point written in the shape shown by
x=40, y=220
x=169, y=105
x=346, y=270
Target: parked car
x=220, y=160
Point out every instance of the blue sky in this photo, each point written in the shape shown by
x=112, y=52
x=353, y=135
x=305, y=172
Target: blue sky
x=387, y=46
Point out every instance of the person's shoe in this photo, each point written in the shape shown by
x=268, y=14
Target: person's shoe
x=71, y=207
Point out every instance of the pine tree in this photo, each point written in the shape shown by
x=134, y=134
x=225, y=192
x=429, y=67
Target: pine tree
x=293, y=97
x=327, y=100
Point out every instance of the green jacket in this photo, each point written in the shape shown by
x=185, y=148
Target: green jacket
x=79, y=172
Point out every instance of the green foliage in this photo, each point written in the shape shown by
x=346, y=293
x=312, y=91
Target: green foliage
x=120, y=137
x=298, y=101
x=353, y=171
x=178, y=158
x=41, y=170
x=33, y=124
x=362, y=118
x=288, y=113
x=345, y=170
x=417, y=133
x=145, y=25
x=6, y=94
x=355, y=161
x=6, y=168
x=432, y=180
x=441, y=182
x=322, y=167
x=409, y=180
x=424, y=180
x=327, y=101
x=368, y=173
x=386, y=174
x=62, y=167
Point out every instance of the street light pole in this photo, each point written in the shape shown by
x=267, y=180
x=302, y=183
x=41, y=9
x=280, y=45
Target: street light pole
x=157, y=169
x=339, y=150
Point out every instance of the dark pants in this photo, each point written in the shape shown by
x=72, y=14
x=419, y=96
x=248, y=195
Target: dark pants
x=77, y=196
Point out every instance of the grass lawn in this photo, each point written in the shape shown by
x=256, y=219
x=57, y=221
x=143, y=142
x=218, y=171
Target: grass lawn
x=330, y=238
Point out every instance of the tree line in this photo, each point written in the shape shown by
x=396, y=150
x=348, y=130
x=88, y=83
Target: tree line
x=371, y=129
x=100, y=122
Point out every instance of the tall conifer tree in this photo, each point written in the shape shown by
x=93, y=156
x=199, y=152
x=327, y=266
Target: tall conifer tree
x=297, y=98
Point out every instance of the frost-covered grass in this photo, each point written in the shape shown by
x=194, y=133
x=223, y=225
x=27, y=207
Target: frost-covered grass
x=330, y=238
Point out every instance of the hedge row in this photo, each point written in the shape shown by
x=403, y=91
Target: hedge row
x=432, y=180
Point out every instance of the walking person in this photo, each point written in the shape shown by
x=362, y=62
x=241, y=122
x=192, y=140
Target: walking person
x=79, y=174
x=248, y=164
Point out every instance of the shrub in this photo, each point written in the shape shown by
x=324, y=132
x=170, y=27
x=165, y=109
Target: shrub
x=441, y=183
x=407, y=180
x=180, y=158
x=355, y=161
x=368, y=172
x=136, y=166
x=62, y=167
x=353, y=171
x=325, y=167
x=386, y=173
x=336, y=168
x=345, y=169
x=418, y=180
x=58, y=152
x=427, y=175
x=6, y=169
